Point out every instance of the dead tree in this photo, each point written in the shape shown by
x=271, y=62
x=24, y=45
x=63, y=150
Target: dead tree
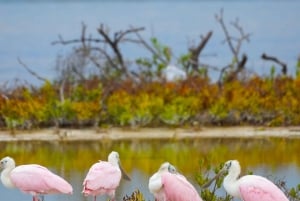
x=234, y=43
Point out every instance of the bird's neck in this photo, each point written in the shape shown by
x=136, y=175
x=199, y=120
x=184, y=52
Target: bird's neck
x=5, y=178
x=231, y=184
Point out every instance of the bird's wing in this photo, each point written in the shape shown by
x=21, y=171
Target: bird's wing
x=102, y=175
x=38, y=179
x=253, y=188
x=177, y=188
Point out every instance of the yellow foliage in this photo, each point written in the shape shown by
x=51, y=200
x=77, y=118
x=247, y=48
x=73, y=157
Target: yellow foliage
x=86, y=110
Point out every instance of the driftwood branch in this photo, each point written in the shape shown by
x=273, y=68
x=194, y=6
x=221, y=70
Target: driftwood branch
x=276, y=60
x=31, y=71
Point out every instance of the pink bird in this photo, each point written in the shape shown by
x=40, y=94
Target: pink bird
x=168, y=185
x=104, y=177
x=33, y=179
x=249, y=187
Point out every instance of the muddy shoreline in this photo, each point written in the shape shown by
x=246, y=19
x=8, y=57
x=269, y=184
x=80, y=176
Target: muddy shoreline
x=149, y=133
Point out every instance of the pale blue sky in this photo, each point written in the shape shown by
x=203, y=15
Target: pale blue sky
x=27, y=29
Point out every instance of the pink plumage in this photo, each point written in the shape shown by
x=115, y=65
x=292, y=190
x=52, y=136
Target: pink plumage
x=253, y=188
x=168, y=185
x=33, y=179
x=177, y=188
x=36, y=179
x=104, y=177
x=249, y=187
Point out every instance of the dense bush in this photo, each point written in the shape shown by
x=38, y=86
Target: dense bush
x=195, y=101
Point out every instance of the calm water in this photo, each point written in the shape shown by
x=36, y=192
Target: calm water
x=267, y=157
x=27, y=29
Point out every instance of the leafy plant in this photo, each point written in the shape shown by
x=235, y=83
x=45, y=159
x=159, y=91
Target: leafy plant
x=135, y=196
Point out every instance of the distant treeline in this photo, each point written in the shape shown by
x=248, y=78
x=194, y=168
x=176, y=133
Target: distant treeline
x=192, y=103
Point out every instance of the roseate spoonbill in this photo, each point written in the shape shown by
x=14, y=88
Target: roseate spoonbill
x=167, y=184
x=33, y=179
x=104, y=177
x=248, y=187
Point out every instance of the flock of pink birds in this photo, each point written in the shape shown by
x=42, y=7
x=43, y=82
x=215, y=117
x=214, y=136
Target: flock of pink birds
x=104, y=177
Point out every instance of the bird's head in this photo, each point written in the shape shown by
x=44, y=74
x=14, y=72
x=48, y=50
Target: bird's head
x=114, y=159
x=7, y=162
x=231, y=166
x=167, y=167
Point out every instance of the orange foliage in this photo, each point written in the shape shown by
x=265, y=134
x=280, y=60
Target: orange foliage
x=256, y=100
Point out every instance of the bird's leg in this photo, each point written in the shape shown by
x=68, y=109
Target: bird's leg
x=35, y=198
x=42, y=196
x=94, y=198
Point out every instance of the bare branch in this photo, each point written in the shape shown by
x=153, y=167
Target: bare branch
x=120, y=35
x=67, y=42
x=114, y=44
x=233, y=75
x=106, y=55
x=220, y=19
x=148, y=47
x=234, y=47
x=276, y=60
x=243, y=35
x=196, y=51
x=31, y=71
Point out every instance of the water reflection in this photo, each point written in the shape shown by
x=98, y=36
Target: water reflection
x=274, y=158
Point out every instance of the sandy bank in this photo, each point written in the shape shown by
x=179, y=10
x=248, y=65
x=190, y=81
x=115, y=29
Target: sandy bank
x=149, y=133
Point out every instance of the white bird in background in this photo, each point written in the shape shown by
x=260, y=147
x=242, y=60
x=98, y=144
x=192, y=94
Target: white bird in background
x=173, y=73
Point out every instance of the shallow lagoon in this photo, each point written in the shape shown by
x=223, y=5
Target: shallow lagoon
x=276, y=158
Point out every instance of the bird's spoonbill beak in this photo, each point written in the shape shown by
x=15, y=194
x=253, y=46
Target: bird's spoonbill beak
x=124, y=174
x=222, y=172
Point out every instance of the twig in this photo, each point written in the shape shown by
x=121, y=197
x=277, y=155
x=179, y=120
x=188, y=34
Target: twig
x=31, y=71
x=219, y=18
x=66, y=42
x=120, y=35
x=243, y=35
x=152, y=50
